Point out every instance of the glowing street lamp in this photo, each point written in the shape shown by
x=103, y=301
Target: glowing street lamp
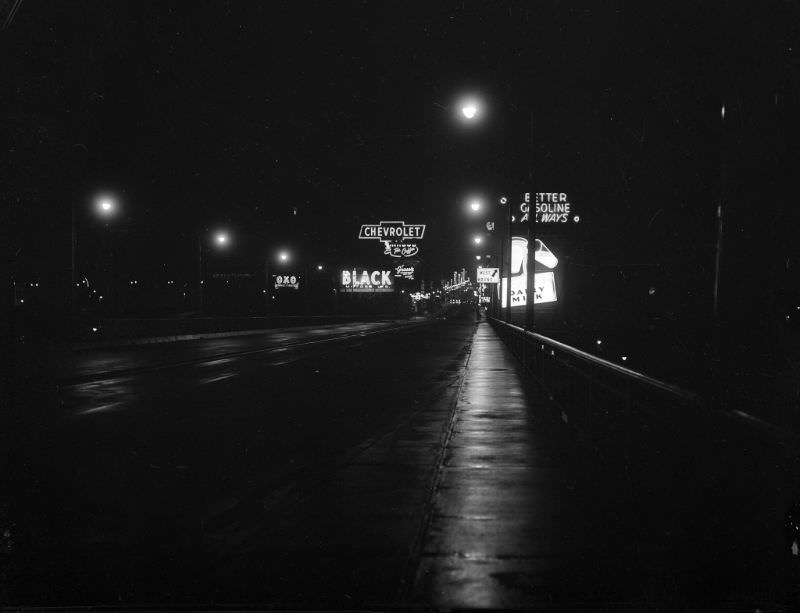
x=477, y=240
x=283, y=256
x=106, y=206
x=221, y=239
x=475, y=205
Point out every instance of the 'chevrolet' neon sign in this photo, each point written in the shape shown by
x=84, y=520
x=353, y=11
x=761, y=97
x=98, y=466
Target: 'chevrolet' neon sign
x=393, y=235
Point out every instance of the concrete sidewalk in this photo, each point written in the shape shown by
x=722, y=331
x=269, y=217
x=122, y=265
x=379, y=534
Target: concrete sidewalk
x=520, y=516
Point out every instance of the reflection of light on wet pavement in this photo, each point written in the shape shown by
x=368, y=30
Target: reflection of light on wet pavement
x=222, y=377
x=102, y=408
x=216, y=362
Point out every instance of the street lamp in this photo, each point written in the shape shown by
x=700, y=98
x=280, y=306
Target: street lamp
x=470, y=109
x=477, y=240
x=221, y=239
x=106, y=207
x=475, y=205
x=283, y=256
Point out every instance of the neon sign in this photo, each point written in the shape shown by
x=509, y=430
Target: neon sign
x=404, y=272
x=544, y=282
x=551, y=207
x=286, y=281
x=394, y=236
x=367, y=281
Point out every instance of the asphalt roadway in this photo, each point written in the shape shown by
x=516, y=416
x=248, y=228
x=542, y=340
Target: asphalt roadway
x=394, y=465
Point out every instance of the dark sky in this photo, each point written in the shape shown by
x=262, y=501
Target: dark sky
x=223, y=113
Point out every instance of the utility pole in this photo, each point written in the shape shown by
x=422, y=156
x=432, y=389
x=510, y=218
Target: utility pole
x=530, y=285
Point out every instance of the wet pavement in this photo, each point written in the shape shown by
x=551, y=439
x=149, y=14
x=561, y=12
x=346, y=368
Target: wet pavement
x=91, y=364
x=412, y=469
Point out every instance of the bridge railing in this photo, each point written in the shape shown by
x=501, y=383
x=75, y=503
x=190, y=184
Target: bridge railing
x=605, y=402
x=709, y=470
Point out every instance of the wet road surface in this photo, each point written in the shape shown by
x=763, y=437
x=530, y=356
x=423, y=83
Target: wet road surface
x=412, y=468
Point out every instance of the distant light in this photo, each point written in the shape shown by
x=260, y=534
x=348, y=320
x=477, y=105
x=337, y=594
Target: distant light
x=475, y=205
x=283, y=256
x=477, y=240
x=723, y=111
x=469, y=110
x=222, y=238
x=105, y=205
x=599, y=342
x=21, y=300
x=319, y=267
x=402, y=291
x=94, y=329
x=624, y=358
x=477, y=257
x=651, y=291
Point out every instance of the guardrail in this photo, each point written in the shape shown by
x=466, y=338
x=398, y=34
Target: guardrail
x=602, y=400
x=719, y=470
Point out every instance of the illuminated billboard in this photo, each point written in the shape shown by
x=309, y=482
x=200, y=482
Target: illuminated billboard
x=286, y=281
x=364, y=280
x=545, y=282
x=550, y=207
x=404, y=271
x=397, y=237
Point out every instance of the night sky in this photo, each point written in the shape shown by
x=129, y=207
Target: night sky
x=290, y=123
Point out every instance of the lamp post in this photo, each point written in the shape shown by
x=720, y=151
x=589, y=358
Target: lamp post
x=221, y=239
x=283, y=256
x=471, y=110
x=105, y=207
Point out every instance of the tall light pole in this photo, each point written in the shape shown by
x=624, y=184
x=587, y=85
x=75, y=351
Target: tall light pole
x=105, y=207
x=471, y=110
x=221, y=240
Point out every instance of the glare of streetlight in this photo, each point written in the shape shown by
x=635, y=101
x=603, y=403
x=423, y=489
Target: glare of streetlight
x=475, y=205
x=477, y=257
x=221, y=238
x=283, y=256
x=319, y=267
x=469, y=109
x=106, y=205
x=477, y=240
